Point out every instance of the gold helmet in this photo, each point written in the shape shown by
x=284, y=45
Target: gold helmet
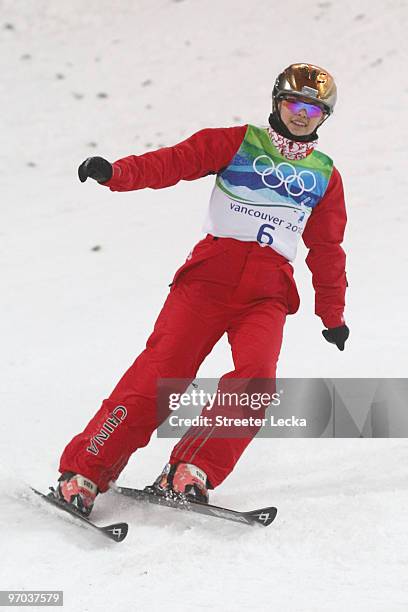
x=306, y=81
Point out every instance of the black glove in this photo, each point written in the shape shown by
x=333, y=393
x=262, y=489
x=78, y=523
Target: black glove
x=337, y=335
x=96, y=168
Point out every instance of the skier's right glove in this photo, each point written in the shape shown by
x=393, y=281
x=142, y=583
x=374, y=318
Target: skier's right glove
x=96, y=168
x=337, y=335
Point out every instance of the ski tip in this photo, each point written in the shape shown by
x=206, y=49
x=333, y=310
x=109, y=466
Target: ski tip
x=116, y=532
x=264, y=516
x=36, y=491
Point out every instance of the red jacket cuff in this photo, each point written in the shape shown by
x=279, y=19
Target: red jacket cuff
x=333, y=321
x=116, y=174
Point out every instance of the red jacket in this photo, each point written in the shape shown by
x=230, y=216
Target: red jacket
x=210, y=150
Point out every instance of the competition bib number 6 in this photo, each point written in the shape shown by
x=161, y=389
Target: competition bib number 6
x=264, y=237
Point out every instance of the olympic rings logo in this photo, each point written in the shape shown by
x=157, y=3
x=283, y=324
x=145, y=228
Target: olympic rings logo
x=295, y=183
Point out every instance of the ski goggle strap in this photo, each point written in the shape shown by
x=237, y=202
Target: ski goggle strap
x=295, y=105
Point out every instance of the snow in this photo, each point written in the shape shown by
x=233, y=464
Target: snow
x=114, y=78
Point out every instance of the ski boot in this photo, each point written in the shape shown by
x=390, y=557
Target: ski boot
x=77, y=491
x=183, y=481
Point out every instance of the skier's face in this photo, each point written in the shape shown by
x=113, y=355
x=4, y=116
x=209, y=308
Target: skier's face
x=300, y=117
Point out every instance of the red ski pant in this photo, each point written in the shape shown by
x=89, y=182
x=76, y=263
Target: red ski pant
x=225, y=286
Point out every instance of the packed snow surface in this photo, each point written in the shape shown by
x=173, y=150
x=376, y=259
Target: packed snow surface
x=85, y=272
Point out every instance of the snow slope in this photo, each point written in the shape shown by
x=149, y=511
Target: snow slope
x=84, y=274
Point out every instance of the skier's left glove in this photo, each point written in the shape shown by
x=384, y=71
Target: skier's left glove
x=337, y=335
x=96, y=168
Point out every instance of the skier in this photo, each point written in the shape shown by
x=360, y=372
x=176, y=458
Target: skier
x=272, y=186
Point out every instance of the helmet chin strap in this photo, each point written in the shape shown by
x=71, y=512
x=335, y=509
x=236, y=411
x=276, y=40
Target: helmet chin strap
x=277, y=124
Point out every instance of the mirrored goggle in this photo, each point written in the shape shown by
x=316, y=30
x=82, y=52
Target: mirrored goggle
x=295, y=105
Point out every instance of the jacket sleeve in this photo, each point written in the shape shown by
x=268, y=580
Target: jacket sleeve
x=326, y=260
x=205, y=152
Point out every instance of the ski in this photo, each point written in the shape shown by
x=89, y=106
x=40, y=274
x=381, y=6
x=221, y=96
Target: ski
x=116, y=532
x=263, y=516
